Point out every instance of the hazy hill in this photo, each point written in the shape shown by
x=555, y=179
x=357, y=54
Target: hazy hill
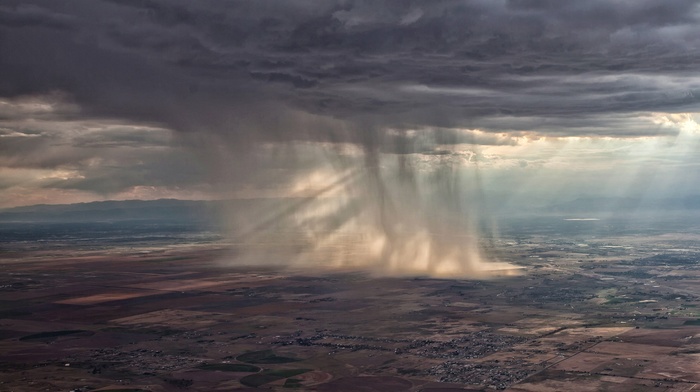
x=167, y=210
x=198, y=211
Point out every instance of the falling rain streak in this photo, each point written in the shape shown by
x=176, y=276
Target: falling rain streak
x=402, y=213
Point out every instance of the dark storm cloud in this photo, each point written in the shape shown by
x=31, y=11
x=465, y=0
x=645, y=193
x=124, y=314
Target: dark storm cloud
x=274, y=70
x=33, y=16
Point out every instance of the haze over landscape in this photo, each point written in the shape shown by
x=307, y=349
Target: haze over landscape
x=534, y=142
x=395, y=116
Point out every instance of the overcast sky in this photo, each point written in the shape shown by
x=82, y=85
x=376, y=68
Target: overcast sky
x=533, y=99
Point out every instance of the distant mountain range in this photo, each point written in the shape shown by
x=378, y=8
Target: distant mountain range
x=200, y=211
x=167, y=210
x=162, y=210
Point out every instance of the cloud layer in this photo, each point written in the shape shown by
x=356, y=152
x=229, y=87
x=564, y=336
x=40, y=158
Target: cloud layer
x=116, y=91
x=560, y=67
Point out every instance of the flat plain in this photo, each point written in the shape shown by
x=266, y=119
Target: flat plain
x=587, y=313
